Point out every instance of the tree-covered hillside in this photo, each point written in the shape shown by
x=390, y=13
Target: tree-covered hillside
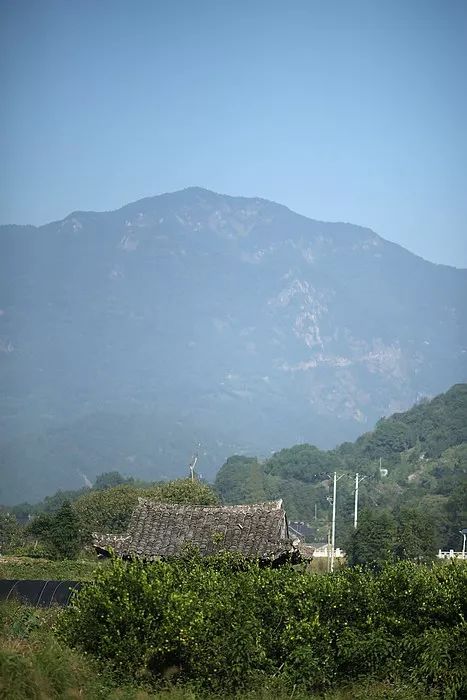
x=416, y=459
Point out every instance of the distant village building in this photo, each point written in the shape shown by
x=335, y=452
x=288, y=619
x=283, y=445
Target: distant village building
x=322, y=550
x=164, y=530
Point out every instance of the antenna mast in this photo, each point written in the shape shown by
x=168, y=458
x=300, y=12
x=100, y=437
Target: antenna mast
x=192, y=465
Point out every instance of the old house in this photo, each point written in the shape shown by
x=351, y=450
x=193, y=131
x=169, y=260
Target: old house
x=162, y=530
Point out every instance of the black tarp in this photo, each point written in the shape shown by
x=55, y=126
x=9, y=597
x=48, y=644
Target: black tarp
x=35, y=592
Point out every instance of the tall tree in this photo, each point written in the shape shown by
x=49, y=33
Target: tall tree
x=108, y=480
x=415, y=534
x=373, y=542
x=10, y=533
x=60, y=532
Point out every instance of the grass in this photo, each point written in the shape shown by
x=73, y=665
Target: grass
x=48, y=569
x=35, y=665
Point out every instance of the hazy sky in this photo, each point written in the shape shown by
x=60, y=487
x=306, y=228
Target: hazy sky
x=352, y=110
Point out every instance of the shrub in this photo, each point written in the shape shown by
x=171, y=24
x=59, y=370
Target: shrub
x=60, y=532
x=226, y=624
x=109, y=509
x=10, y=533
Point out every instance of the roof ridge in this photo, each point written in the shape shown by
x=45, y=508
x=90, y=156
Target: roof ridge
x=265, y=505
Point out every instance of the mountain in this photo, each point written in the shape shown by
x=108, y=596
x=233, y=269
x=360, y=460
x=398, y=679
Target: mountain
x=197, y=317
x=423, y=465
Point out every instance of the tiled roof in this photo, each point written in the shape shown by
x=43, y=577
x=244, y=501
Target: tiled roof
x=164, y=530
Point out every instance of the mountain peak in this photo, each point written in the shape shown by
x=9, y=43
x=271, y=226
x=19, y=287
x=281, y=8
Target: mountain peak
x=194, y=195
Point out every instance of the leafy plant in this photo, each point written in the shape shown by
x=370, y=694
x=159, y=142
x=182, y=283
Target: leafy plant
x=225, y=624
x=109, y=509
x=11, y=534
x=60, y=532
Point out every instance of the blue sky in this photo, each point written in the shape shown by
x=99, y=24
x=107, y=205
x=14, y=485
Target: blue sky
x=346, y=110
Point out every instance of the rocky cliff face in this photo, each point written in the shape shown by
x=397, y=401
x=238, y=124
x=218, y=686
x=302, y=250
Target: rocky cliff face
x=231, y=319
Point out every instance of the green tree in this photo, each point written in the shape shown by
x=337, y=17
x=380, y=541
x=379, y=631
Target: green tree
x=10, y=533
x=108, y=480
x=304, y=462
x=408, y=533
x=60, y=532
x=456, y=511
x=389, y=438
x=188, y=491
x=241, y=480
x=224, y=625
x=109, y=510
x=415, y=535
x=373, y=542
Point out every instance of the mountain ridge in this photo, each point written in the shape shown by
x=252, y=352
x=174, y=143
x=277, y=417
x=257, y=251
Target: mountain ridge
x=194, y=189
x=231, y=316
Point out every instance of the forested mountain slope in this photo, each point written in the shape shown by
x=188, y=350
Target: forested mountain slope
x=424, y=470
x=424, y=451
x=127, y=337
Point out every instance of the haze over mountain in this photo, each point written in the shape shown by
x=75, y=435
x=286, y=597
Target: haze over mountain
x=127, y=337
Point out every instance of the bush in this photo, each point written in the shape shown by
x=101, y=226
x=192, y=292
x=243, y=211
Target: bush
x=110, y=509
x=11, y=534
x=59, y=532
x=34, y=665
x=225, y=624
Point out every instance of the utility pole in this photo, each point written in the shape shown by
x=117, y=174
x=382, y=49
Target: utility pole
x=333, y=527
x=355, y=512
x=357, y=482
x=333, y=530
x=464, y=537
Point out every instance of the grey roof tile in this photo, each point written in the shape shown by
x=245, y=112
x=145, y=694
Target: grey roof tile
x=164, y=530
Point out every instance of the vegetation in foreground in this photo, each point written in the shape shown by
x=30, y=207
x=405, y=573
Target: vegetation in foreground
x=218, y=628
x=36, y=665
x=226, y=625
